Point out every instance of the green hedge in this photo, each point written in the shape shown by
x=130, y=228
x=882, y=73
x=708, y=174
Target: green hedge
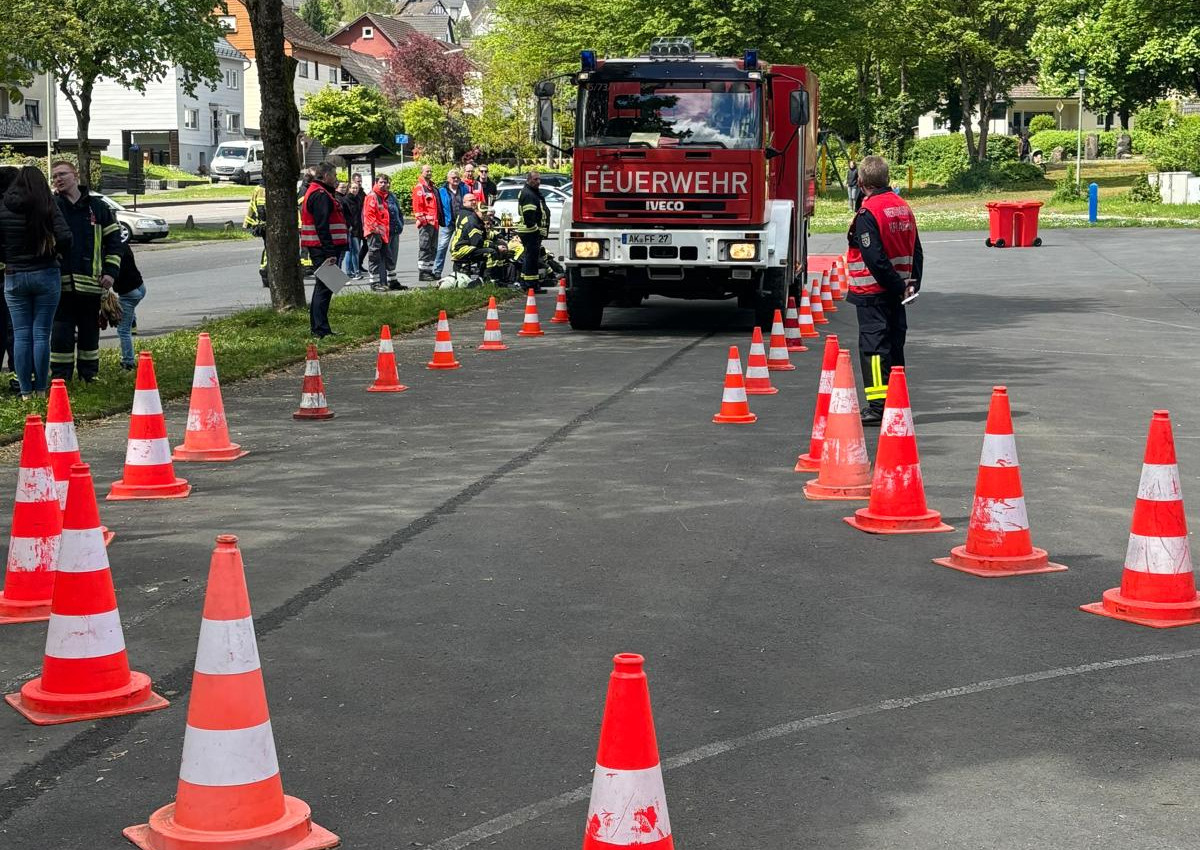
x=404, y=179
x=10, y=157
x=943, y=159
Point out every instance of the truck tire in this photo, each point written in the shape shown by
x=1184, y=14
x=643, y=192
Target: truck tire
x=773, y=297
x=585, y=301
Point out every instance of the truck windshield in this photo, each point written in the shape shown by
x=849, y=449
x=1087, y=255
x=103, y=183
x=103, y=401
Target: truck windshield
x=720, y=114
x=227, y=152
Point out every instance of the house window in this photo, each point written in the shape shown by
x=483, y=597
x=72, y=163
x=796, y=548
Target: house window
x=227, y=22
x=368, y=32
x=233, y=122
x=191, y=119
x=33, y=112
x=231, y=79
x=302, y=69
x=939, y=123
x=333, y=74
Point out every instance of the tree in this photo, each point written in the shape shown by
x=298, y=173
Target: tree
x=132, y=42
x=425, y=67
x=354, y=116
x=353, y=9
x=280, y=122
x=318, y=15
x=426, y=122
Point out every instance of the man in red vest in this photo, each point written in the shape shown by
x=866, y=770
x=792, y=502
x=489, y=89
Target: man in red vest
x=885, y=263
x=324, y=232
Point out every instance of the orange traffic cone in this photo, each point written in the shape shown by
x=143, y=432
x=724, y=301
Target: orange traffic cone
x=629, y=802
x=443, y=346
x=313, y=404
x=807, y=329
x=791, y=327
x=778, y=359
x=532, y=325
x=85, y=673
x=827, y=304
x=561, y=317
x=207, y=434
x=230, y=795
x=1158, y=587
x=814, y=301
x=897, y=503
x=998, y=538
x=734, y=407
x=840, y=282
x=492, y=338
x=811, y=460
x=36, y=533
x=845, y=472
x=149, y=472
x=63, y=444
x=758, y=376
x=387, y=378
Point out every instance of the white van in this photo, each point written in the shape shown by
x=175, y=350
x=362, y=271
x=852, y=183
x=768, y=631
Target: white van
x=239, y=162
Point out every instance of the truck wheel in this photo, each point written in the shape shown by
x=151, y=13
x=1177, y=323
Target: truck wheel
x=773, y=297
x=585, y=302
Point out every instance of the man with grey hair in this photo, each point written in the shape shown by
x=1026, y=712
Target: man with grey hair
x=885, y=262
x=449, y=200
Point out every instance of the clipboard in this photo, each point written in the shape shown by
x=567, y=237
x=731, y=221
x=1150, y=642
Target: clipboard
x=332, y=276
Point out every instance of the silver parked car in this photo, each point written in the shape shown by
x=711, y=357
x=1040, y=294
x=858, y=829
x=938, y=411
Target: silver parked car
x=139, y=226
x=506, y=202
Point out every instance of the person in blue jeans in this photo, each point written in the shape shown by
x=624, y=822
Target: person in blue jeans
x=130, y=289
x=353, y=215
x=33, y=234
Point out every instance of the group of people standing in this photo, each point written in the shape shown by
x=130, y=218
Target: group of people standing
x=61, y=252
x=438, y=208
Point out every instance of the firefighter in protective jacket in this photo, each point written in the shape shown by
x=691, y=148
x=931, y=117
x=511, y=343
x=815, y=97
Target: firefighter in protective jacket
x=91, y=268
x=533, y=226
x=472, y=243
x=885, y=261
x=256, y=222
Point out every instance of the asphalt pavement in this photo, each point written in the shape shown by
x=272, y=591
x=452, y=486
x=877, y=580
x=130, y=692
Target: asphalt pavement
x=441, y=577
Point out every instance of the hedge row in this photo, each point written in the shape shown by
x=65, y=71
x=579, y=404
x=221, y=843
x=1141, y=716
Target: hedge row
x=943, y=159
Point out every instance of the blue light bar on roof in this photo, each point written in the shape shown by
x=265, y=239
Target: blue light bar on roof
x=751, y=60
x=587, y=60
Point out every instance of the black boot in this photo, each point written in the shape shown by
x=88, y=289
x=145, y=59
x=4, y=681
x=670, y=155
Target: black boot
x=872, y=415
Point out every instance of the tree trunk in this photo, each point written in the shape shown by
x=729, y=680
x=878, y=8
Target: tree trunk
x=281, y=165
x=83, y=122
x=965, y=98
x=985, y=122
x=954, y=107
x=864, y=109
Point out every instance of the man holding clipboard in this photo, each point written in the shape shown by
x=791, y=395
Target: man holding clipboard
x=885, y=262
x=325, y=233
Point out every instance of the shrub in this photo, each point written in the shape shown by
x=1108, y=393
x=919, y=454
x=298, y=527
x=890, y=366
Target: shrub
x=1142, y=192
x=405, y=178
x=997, y=175
x=1178, y=147
x=10, y=157
x=1155, y=119
x=1002, y=149
x=1065, y=189
x=1040, y=123
x=937, y=159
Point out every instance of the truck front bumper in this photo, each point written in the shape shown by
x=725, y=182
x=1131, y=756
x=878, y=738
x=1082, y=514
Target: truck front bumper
x=598, y=248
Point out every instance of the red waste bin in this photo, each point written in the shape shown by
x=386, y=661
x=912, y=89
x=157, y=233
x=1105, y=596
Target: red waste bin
x=1013, y=224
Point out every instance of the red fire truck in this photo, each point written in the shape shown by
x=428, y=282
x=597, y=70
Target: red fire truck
x=688, y=171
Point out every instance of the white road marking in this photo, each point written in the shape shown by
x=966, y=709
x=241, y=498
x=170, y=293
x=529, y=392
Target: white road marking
x=524, y=815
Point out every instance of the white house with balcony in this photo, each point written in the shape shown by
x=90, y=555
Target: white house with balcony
x=169, y=125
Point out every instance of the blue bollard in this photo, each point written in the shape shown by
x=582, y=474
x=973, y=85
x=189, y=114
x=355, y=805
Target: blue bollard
x=1093, y=202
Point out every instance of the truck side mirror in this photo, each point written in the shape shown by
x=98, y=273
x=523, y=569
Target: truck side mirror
x=545, y=120
x=798, y=108
x=545, y=88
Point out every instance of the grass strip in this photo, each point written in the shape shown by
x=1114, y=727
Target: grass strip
x=247, y=344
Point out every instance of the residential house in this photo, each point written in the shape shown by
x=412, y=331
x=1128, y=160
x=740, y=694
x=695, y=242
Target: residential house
x=430, y=17
x=318, y=64
x=169, y=125
x=24, y=120
x=1013, y=115
x=373, y=34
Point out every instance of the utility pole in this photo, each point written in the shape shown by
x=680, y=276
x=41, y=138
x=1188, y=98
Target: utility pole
x=1079, y=137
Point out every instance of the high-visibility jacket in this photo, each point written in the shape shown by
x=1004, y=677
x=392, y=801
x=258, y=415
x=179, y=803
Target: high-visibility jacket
x=533, y=214
x=95, y=243
x=424, y=204
x=256, y=211
x=897, y=229
x=334, y=220
x=470, y=235
x=375, y=215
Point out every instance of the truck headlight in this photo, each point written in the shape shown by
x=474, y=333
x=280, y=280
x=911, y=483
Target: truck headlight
x=586, y=249
x=743, y=250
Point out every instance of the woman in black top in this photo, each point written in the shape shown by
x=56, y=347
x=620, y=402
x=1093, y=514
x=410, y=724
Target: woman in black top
x=33, y=234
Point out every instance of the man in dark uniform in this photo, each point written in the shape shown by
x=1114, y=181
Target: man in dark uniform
x=92, y=267
x=325, y=232
x=533, y=225
x=256, y=222
x=885, y=262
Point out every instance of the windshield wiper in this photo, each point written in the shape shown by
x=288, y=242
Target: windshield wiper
x=700, y=143
x=637, y=144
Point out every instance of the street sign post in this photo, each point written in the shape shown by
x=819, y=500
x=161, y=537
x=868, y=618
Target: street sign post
x=401, y=141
